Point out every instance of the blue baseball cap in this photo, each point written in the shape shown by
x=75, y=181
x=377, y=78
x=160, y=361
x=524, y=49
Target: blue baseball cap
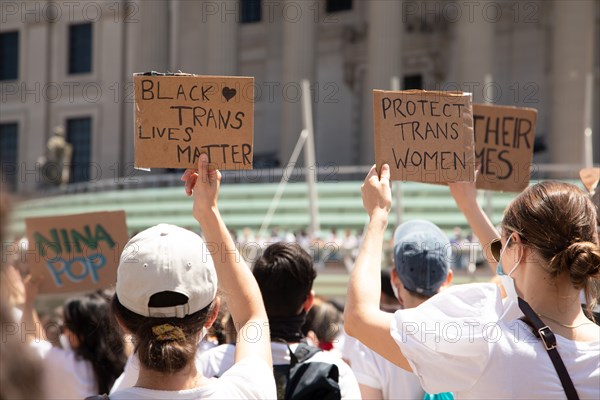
x=422, y=254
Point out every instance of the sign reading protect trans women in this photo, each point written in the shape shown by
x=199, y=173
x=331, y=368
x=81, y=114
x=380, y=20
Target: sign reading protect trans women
x=75, y=253
x=425, y=136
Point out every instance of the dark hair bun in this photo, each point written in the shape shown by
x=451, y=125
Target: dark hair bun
x=581, y=259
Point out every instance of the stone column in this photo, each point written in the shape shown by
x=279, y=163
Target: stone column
x=573, y=48
x=153, y=45
x=384, y=61
x=222, y=18
x=474, y=41
x=299, y=37
x=33, y=129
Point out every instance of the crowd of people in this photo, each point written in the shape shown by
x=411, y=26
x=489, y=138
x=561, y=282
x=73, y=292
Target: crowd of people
x=189, y=321
x=324, y=246
x=331, y=246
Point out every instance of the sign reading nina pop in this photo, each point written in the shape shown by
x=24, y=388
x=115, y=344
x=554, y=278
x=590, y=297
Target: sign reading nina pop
x=180, y=116
x=425, y=136
x=76, y=252
x=504, y=139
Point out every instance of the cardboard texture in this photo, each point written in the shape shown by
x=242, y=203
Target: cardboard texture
x=74, y=253
x=589, y=178
x=504, y=139
x=425, y=136
x=179, y=117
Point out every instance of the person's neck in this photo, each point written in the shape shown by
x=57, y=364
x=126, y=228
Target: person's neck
x=287, y=328
x=557, y=303
x=187, y=378
x=555, y=298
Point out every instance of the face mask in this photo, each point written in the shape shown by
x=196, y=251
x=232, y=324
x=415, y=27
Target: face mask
x=64, y=342
x=507, y=281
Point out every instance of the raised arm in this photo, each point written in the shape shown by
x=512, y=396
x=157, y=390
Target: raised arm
x=241, y=291
x=465, y=196
x=31, y=322
x=363, y=318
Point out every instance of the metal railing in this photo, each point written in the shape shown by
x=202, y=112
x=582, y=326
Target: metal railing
x=330, y=173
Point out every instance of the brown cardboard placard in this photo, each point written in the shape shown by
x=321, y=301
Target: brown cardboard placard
x=179, y=117
x=425, y=136
x=590, y=177
x=74, y=253
x=504, y=139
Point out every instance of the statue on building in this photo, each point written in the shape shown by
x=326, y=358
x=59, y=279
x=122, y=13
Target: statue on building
x=55, y=164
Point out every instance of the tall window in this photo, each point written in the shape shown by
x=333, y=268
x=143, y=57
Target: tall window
x=413, y=82
x=332, y=6
x=9, y=154
x=250, y=11
x=79, y=134
x=80, y=48
x=9, y=56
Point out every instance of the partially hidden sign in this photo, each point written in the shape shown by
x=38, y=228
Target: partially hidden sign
x=179, y=117
x=74, y=253
x=590, y=177
x=425, y=136
x=504, y=138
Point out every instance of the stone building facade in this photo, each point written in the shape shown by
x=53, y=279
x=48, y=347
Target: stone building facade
x=70, y=63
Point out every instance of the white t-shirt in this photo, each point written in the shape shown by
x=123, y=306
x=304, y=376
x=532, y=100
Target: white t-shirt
x=215, y=362
x=129, y=376
x=251, y=378
x=465, y=340
x=64, y=376
x=375, y=371
x=17, y=315
x=131, y=371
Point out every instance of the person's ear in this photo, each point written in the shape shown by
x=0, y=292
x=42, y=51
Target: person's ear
x=72, y=337
x=516, y=238
x=312, y=336
x=520, y=250
x=448, y=280
x=308, y=303
x=121, y=324
x=214, y=314
x=394, y=279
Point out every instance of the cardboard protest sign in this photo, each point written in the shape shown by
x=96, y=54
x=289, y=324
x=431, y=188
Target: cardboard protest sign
x=590, y=177
x=425, y=136
x=178, y=117
x=74, y=253
x=504, y=139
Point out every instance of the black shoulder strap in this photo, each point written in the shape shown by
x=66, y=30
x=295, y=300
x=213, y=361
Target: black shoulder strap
x=541, y=331
x=98, y=397
x=304, y=352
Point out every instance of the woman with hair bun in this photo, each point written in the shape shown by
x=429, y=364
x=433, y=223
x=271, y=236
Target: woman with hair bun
x=563, y=236
x=166, y=298
x=468, y=339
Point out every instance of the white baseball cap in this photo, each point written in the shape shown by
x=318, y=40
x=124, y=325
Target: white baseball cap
x=166, y=258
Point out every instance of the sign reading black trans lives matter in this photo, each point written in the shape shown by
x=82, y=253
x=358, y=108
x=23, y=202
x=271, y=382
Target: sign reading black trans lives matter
x=180, y=116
